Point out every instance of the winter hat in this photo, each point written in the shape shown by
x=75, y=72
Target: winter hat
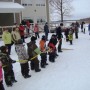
x=43, y=37
x=53, y=36
x=46, y=23
x=20, y=41
x=3, y=49
x=33, y=38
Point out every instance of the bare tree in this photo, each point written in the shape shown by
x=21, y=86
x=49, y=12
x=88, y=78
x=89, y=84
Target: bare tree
x=61, y=7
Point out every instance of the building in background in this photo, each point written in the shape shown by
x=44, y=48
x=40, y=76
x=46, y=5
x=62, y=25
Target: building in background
x=35, y=10
x=10, y=12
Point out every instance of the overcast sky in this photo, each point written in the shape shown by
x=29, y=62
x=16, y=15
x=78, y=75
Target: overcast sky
x=81, y=9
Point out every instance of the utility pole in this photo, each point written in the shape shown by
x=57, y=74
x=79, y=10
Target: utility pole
x=12, y=0
x=14, y=14
x=47, y=12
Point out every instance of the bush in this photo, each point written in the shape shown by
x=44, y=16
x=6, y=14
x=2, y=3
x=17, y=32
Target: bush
x=24, y=21
x=30, y=20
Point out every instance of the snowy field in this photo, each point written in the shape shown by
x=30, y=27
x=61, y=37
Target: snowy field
x=71, y=71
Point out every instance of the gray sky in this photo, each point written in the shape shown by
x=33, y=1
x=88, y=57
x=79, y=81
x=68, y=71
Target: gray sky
x=81, y=9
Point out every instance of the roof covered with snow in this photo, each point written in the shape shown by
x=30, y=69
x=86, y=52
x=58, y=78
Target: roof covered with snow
x=10, y=7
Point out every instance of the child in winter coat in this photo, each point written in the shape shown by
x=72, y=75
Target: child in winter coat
x=1, y=77
x=54, y=41
x=52, y=51
x=44, y=52
x=70, y=36
x=31, y=52
x=23, y=58
x=7, y=66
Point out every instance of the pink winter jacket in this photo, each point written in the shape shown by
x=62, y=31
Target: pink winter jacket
x=36, y=29
x=1, y=75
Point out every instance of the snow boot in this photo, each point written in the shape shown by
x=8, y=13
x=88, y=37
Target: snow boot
x=38, y=70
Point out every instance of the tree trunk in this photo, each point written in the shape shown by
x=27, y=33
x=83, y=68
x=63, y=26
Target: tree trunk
x=61, y=17
x=61, y=12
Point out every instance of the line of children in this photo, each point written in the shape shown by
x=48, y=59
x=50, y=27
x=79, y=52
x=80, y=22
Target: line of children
x=27, y=56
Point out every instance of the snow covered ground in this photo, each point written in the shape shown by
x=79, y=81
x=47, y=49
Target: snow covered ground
x=71, y=71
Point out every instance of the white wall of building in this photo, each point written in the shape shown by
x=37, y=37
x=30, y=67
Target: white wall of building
x=34, y=9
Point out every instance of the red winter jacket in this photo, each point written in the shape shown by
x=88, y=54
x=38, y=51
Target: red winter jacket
x=21, y=29
x=36, y=29
x=28, y=24
x=51, y=45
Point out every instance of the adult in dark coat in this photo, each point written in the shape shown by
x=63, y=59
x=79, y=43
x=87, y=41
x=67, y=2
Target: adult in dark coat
x=82, y=26
x=76, y=30
x=59, y=36
x=46, y=30
x=89, y=28
x=77, y=24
